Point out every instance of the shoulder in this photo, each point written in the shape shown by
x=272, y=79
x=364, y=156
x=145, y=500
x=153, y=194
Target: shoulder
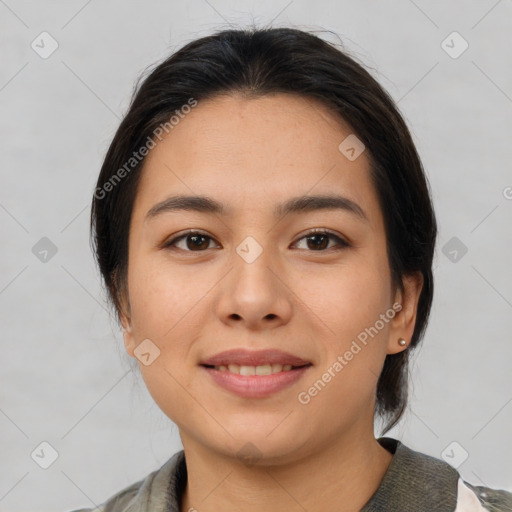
x=119, y=501
x=420, y=482
x=473, y=498
x=150, y=494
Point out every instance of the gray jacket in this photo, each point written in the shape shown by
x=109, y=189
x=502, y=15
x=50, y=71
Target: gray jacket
x=414, y=482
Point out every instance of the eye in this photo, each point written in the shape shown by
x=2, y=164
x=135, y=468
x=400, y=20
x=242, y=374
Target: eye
x=194, y=241
x=318, y=240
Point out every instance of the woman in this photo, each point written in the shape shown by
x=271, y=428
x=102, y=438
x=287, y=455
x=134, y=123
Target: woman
x=265, y=232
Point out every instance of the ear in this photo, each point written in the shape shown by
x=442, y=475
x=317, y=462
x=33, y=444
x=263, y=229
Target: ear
x=128, y=338
x=402, y=325
x=124, y=316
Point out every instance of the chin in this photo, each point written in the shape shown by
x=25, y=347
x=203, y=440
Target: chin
x=253, y=447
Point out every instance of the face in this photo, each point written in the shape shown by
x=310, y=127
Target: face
x=312, y=281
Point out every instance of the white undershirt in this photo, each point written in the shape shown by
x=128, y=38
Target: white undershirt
x=467, y=500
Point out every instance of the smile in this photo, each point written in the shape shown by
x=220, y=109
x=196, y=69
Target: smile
x=266, y=369
x=255, y=381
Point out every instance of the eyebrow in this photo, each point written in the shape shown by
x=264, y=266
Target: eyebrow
x=301, y=204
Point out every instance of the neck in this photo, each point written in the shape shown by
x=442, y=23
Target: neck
x=341, y=476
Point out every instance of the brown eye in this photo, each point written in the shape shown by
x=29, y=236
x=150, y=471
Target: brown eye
x=319, y=241
x=194, y=241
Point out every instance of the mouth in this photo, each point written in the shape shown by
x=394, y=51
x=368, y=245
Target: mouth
x=242, y=357
x=265, y=369
x=251, y=374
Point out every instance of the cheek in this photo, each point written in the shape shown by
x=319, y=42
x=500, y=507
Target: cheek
x=349, y=301
x=162, y=299
x=354, y=343
x=165, y=305
x=347, y=298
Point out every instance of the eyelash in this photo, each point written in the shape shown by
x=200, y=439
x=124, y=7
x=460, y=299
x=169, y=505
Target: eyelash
x=170, y=244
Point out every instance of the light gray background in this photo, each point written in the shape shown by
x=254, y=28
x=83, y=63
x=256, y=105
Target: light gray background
x=65, y=376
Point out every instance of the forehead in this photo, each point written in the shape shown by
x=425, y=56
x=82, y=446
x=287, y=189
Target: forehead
x=248, y=152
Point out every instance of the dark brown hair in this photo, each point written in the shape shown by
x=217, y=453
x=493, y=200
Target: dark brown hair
x=263, y=61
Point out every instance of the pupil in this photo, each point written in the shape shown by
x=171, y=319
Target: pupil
x=196, y=241
x=199, y=241
x=318, y=244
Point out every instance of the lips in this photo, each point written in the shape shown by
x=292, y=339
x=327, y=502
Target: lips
x=255, y=374
x=256, y=386
x=244, y=357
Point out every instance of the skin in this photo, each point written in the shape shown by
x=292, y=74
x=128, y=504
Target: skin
x=250, y=154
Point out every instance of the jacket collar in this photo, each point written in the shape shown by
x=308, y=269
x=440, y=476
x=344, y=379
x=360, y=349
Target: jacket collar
x=413, y=481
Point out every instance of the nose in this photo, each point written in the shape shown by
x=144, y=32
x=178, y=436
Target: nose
x=255, y=295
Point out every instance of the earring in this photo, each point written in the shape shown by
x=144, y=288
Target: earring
x=402, y=342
